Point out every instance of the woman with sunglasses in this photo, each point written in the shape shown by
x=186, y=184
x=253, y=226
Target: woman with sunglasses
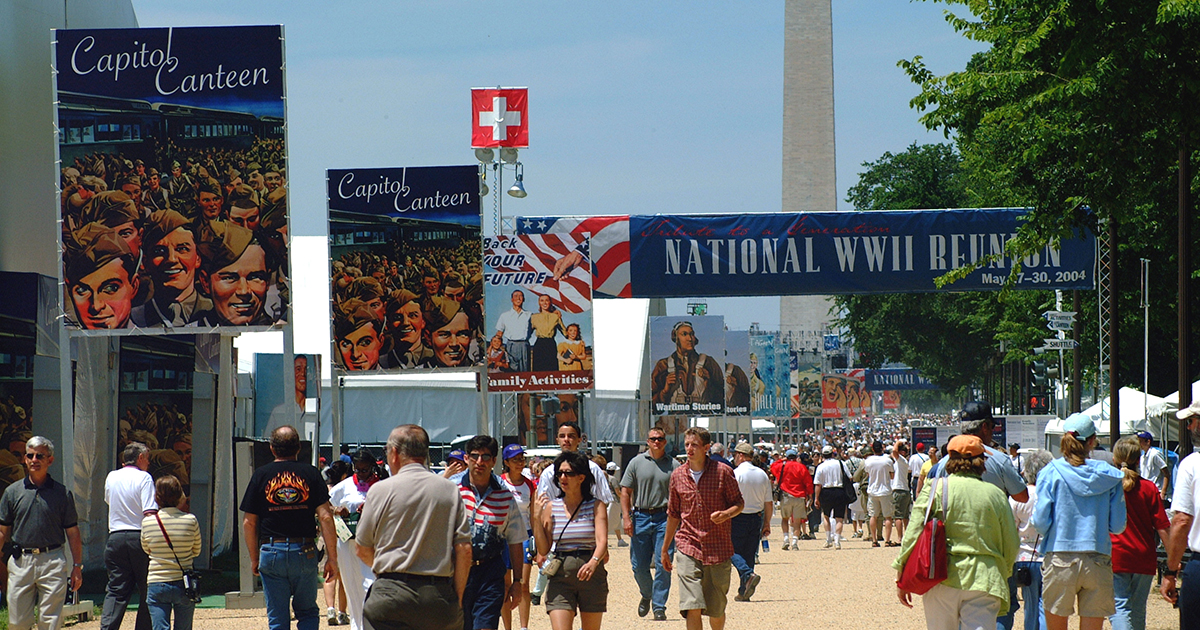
x=522, y=489
x=577, y=533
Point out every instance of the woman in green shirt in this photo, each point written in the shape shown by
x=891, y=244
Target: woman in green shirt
x=981, y=542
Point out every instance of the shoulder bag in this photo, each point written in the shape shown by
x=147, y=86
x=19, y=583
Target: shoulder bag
x=191, y=577
x=847, y=485
x=553, y=563
x=926, y=565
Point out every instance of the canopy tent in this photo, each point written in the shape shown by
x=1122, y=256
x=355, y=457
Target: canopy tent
x=1133, y=406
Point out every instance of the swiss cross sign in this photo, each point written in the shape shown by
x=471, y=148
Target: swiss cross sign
x=499, y=117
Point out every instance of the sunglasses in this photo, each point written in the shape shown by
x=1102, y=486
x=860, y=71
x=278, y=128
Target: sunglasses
x=656, y=439
x=36, y=456
x=569, y=473
x=481, y=457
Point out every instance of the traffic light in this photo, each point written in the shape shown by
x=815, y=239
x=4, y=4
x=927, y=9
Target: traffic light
x=1038, y=369
x=1039, y=403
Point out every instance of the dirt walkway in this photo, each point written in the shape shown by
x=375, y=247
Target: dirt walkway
x=806, y=588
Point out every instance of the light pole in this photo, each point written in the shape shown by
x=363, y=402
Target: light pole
x=496, y=163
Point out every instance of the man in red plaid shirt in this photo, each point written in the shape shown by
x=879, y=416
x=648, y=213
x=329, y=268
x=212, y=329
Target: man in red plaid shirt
x=704, y=497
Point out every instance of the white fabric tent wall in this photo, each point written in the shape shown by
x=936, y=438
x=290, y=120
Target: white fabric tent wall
x=1132, y=406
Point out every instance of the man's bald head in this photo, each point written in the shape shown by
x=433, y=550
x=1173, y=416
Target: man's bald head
x=285, y=442
x=409, y=441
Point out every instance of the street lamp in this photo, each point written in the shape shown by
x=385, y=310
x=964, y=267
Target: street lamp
x=489, y=160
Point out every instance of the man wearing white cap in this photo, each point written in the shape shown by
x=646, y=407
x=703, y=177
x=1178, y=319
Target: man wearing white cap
x=1185, y=531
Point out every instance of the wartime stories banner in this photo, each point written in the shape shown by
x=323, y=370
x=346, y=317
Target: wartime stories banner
x=687, y=376
x=737, y=382
x=819, y=253
x=173, y=178
x=538, y=292
x=406, y=268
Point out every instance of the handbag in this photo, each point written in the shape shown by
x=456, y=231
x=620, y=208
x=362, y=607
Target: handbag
x=926, y=565
x=191, y=577
x=848, y=486
x=554, y=563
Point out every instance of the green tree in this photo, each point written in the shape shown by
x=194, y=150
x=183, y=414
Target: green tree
x=928, y=176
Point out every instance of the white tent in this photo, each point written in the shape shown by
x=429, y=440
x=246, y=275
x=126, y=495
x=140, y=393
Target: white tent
x=1164, y=412
x=1133, y=406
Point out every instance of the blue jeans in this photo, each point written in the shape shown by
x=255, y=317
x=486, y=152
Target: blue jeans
x=646, y=549
x=746, y=531
x=1189, y=595
x=1035, y=615
x=1131, y=591
x=289, y=572
x=162, y=598
x=1005, y=621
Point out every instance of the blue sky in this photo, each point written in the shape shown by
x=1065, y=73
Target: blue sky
x=635, y=107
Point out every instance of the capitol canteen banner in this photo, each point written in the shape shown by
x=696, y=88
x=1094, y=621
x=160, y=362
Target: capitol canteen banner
x=173, y=178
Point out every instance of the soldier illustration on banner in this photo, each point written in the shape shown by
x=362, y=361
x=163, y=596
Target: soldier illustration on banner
x=762, y=374
x=844, y=396
x=737, y=383
x=406, y=268
x=806, y=385
x=538, y=292
x=688, y=377
x=173, y=199
x=271, y=408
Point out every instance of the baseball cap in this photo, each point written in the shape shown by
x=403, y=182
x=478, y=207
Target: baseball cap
x=1080, y=425
x=457, y=454
x=827, y=450
x=512, y=450
x=791, y=452
x=744, y=449
x=1191, y=411
x=611, y=466
x=968, y=445
x=1145, y=435
x=920, y=447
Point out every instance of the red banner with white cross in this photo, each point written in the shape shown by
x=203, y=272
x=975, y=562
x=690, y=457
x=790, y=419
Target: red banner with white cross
x=499, y=117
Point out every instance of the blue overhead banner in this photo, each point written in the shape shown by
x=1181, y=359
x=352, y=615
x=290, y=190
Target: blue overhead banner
x=840, y=252
x=896, y=378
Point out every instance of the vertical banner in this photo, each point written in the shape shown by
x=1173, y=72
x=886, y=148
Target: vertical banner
x=891, y=399
x=173, y=168
x=843, y=396
x=806, y=401
x=737, y=382
x=270, y=408
x=762, y=374
x=783, y=377
x=406, y=272
x=687, y=377
x=538, y=292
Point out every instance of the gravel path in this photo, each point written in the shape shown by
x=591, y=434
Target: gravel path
x=809, y=587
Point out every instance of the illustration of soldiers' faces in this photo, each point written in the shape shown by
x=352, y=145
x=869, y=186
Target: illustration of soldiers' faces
x=377, y=306
x=300, y=375
x=455, y=293
x=132, y=235
x=473, y=269
x=210, y=205
x=176, y=172
x=685, y=339
x=134, y=190
x=360, y=349
x=407, y=323
x=239, y=290
x=174, y=260
x=432, y=285
x=17, y=447
x=518, y=300
x=256, y=180
x=155, y=182
x=104, y=298
x=450, y=342
x=273, y=180
x=183, y=449
x=246, y=217
x=753, y=363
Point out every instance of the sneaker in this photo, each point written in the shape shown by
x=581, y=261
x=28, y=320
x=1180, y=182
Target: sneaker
x=622, y=543
x=740, y=598
x=837, y=543
x=786, y=546
x=858, y=534
x=343, y=619
x=660, y=614
x=331, y=616
x=535, y=599
x=828, y=543
x=644, y=607
x=751, y=584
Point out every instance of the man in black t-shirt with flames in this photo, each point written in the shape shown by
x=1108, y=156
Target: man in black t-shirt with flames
x=283, y=504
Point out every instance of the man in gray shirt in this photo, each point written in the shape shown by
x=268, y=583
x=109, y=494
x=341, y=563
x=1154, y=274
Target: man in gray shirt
x=414, y=533
x=38, y=515
x=645, y=489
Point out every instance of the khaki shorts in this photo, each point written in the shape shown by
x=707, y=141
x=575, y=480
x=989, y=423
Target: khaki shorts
x=566, y=592
x=702, y=587
x=793, y=507
x=881, y=506
x=901, y=504
x=1087, y=575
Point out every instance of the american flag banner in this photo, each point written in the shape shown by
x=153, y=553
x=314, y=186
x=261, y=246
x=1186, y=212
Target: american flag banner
x=609, y=245
x=555, y=265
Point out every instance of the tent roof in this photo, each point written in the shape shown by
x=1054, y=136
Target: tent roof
x=1133, y=407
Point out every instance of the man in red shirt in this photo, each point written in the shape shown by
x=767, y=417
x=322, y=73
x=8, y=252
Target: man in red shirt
x=704, y=497
x=795, y=499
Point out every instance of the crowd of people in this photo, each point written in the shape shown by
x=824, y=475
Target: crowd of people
x=412, y=307
x=469, y=548
x=196, y=238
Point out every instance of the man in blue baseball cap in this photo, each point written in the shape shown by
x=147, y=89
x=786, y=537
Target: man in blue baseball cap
x=456, y=465
x=1154, y=464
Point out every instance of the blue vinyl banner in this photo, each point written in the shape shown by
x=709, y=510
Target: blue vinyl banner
x=896, y=378
x=841, y=253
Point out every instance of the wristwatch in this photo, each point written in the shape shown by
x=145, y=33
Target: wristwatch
x=1170, y=573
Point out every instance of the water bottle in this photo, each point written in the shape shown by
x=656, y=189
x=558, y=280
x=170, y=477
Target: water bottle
x=766, y=544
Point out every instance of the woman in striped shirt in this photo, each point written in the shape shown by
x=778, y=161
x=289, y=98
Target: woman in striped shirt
x=575, y=531
x=164, y=589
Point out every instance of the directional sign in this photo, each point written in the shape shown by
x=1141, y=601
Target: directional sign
x=1060, y=344
x=1059, y=325
x=1059, y=315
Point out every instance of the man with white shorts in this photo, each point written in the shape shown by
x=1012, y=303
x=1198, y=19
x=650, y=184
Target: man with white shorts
x=880, y=470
